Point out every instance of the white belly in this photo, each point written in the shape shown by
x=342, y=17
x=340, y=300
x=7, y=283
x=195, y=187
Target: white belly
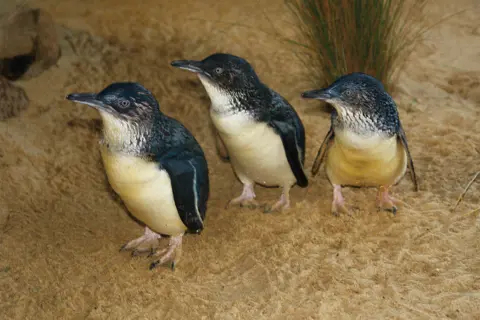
x=256, y=151
x=146, y=191
x=359, y=161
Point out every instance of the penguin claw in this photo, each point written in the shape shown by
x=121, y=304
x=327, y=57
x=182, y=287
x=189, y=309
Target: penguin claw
x=148, y=240
x=151, y=253
x=271, y=209
x=171, y=253
x=154, y=264
x=282, y=204
x=339, y=207
x=247, y=198
x=138, y=252
x=336, y=211
x=250, y=204
x=386, y=202
x=394, y=210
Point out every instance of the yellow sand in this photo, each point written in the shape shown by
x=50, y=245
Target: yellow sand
x=61, y=226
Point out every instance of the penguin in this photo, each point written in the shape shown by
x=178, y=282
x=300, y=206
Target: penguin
x=262, y=134
x=366, y=145
x=154, y=164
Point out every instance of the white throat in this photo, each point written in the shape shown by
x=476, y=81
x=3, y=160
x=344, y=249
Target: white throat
x=222, y=101
x=119, y=134
x=362, y=126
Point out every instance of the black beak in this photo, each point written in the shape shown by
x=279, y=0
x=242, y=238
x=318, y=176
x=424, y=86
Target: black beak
x=320, y=94
x=86, y=98
x=190, y=65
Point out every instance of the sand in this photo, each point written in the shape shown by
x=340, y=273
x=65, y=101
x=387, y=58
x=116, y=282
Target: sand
x=61, y=226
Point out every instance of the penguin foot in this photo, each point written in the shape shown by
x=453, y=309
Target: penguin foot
x=246, y=199
x=338, y=208
x=143, y=244
x=280, y=205
x=386, y=202
x=338, y=203
x=170, y=254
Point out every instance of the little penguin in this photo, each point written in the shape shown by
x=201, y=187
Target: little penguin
x=366, y=145
x=154, y=164
x=263, y=136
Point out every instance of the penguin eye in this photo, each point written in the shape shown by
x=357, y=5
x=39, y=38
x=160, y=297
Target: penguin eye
x=347, y=93
x=124, y=103
x=218, y=70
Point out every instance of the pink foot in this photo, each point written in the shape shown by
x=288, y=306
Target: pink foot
x=147, y=242
x=247, y=198
x=338, y=203
x=280, y=205
x=386, y=201
x=171, y=253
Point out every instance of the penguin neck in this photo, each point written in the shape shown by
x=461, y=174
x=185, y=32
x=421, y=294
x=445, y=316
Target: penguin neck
x=225, y=102
x=122, y=136
x=354, y=121
x=355, y=130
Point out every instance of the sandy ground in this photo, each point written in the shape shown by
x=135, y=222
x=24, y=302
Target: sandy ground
x=61, y=227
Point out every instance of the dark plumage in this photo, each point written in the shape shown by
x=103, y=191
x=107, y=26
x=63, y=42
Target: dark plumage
x=366, y=144
x=139, y=143
x=242, y=104
x=286, y=122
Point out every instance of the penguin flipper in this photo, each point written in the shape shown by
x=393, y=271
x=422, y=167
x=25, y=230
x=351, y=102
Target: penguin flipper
x=190, y=186
x=292, y=150
x=322, y=151
x=285, y=121
x=403, y=139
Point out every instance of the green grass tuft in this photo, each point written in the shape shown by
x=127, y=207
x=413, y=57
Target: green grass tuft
x=343, y=36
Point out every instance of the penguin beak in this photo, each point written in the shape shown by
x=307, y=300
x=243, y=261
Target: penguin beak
x=190, y=65
x=319, y=94
x=88, y=99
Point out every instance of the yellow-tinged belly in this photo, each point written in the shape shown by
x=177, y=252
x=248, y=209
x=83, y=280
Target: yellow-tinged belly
x=256, y=151
x=145, y=190
x=356, y=161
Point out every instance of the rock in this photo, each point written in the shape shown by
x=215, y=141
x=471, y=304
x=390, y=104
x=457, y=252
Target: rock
x=28, y=43
x=13, y=99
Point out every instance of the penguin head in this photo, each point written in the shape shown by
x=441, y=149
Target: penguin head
x=224, y=71
x=352, y=92
x=127, y=101
x=360, y=102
